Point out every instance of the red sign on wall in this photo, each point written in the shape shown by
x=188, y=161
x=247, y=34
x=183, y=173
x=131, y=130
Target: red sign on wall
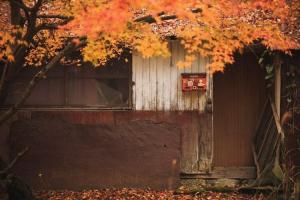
x=193, y=82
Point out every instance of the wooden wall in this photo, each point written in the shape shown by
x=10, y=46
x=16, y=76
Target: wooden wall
x=157, y=82
x=239, y=96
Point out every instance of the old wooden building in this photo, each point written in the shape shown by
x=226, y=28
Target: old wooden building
x=132, y=124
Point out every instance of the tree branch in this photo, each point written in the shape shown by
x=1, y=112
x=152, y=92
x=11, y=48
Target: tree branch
x=63, y=17
x=37, y=6
x=13, y=162
x=16, y=6
x=20, y=4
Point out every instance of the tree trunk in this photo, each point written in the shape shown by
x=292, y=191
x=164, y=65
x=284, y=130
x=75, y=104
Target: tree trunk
x=12, y=187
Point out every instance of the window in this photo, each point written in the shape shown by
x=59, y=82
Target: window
x=78, y=87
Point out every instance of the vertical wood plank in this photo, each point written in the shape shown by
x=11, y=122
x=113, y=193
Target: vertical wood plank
x=166, y=82
x=195, y=95
x=152, y=83
x=146, y=84
x=174, y=76
x=180, y=95
x=277, y=83
x=206, y=129
x=187, y=96
x=159, y=84
x=189, y=142
x=134, y=60
x=139, y=82
x=203, y=64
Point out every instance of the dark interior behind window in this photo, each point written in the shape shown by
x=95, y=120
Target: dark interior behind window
x=75, y=87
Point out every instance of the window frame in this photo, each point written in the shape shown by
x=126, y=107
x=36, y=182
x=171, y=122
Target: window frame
x=66, y=107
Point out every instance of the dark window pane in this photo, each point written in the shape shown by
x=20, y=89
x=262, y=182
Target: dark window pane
x=48, y=92
x=70, y=86
x=56, y=72
x=105, y=86
x=98, y=92
x=117, y=68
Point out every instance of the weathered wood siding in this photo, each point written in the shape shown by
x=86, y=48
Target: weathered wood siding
x=157, y=82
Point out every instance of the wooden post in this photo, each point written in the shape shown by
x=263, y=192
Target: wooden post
x=297, y=189
x=206, y=130
x=277, y=83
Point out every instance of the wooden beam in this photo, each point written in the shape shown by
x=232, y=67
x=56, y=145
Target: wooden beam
x=277, y=83
x=277, y=120
x=224, y=172
x=206, y=130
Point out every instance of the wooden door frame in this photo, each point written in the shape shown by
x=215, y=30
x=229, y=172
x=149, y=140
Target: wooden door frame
x=205, y=169
x=205, y=159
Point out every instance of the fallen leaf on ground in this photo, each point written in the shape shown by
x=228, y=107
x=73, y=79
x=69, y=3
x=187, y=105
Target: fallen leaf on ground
x=130, y=194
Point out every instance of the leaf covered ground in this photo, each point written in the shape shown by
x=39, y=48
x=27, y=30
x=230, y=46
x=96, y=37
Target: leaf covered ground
x=124, y=194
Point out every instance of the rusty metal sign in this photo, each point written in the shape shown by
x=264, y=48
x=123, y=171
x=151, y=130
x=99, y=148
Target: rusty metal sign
x=193, y=82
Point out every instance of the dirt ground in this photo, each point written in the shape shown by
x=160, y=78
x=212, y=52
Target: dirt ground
x=124, y=194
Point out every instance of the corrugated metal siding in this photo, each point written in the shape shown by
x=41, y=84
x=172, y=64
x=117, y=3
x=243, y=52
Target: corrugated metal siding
x=158, y=82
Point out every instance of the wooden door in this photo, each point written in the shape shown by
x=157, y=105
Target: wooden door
x=239, y=95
